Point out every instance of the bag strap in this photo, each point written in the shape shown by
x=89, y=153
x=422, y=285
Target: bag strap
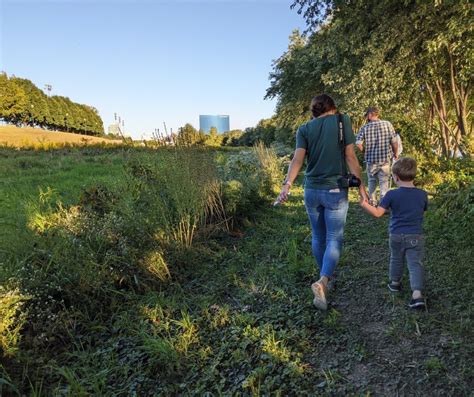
x=342, y=142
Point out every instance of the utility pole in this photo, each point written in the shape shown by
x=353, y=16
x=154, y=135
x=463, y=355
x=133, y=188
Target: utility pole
x=48, y=87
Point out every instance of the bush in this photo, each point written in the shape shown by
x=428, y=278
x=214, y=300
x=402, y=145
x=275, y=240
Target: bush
x=450, y=222
x=250, y=179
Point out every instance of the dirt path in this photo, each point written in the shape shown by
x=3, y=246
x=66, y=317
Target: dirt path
x=371, y=341
x=368, y=342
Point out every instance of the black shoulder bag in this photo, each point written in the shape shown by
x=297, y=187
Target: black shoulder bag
x=347, y=179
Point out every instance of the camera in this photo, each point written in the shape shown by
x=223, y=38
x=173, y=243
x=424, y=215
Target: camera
x=349, y=180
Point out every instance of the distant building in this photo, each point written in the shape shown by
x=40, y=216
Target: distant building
x=221, y=122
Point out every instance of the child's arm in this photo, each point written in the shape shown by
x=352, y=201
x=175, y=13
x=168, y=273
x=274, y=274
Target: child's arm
x=374, y=211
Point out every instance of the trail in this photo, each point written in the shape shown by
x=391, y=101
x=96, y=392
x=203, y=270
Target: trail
x=368, y=341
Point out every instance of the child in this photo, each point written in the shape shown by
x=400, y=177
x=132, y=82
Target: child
x=407, y=205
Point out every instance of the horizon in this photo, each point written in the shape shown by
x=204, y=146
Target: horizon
x=137, y=59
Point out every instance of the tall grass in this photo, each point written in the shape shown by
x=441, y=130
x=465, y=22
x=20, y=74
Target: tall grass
x=270, y=167
x=94, y=257
x=181, y=190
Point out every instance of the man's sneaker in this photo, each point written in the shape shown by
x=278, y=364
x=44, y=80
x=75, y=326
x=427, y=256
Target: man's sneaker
x=319, y=296
x=418, y=303
x=394, y=287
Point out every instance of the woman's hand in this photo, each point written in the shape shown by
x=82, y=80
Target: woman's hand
x=363, y=194
x=283, y=196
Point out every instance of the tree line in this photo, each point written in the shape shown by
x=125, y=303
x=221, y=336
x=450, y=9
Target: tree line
x=413, y=59
x=266, y=131
x=24, y=104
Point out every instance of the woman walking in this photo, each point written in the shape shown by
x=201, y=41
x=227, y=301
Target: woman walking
x=325, y=190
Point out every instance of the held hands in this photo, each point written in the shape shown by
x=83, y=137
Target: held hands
x=364, y=198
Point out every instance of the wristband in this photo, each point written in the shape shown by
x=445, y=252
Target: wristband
x=287, y=183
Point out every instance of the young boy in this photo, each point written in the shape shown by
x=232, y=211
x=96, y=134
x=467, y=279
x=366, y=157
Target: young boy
x=407, y=205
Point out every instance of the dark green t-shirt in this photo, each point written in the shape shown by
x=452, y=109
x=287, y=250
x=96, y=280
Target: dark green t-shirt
x=320, y=138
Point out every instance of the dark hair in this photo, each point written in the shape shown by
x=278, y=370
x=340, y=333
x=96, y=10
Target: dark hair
x=405, y=168
x=321, y=104
x=372, y=109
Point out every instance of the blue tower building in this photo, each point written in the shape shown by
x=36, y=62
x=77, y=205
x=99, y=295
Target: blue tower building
x=221, y=122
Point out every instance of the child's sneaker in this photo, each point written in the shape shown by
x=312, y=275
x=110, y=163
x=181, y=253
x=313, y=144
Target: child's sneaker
x=319, y=296
x=418, y=303
x=394, y=287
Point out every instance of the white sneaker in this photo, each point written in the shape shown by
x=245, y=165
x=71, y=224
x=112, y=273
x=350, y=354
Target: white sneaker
x=319, y=296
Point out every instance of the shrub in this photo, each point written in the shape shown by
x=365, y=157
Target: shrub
x=250, y=178
x=12, y=319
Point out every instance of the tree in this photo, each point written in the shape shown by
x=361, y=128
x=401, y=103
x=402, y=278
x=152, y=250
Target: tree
x=21, y=102
x=13, y=100
x=213, y=139
x=413, y=59
x=231, y=138
x=188, y=136
x=37, y=111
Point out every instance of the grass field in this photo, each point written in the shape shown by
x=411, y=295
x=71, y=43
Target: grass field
x=234, y=314
x=62, y=173
x=35, y=137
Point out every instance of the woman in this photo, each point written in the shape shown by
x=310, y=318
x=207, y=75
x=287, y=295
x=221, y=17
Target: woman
x=325, y=196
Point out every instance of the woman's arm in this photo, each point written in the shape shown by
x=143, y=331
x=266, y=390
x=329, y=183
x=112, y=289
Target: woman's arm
x=374, y=211
x=293, y=170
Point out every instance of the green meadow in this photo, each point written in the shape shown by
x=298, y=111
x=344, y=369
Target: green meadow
x=63, y=174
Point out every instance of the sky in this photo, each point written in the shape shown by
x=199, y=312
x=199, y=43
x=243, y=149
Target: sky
x=151, y=61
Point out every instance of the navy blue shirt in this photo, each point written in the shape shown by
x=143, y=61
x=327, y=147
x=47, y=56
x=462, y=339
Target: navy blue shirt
x=408, y=205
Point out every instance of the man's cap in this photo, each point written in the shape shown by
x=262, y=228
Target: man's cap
x=371, y=109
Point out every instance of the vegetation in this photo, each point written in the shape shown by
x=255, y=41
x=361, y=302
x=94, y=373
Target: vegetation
x=109, y=290
x=412, y=59
x=164, y=269
x=36, y=138
x=24, y=104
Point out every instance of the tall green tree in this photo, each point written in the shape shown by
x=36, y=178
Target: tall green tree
x=13, y=100
x=188, y=136
x=21, y=102
x=411, y=58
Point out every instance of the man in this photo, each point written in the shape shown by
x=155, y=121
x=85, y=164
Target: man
x=380, y=143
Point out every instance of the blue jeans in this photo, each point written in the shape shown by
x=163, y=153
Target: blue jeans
x=380, y=172
x=409, y=247
x=327, y=212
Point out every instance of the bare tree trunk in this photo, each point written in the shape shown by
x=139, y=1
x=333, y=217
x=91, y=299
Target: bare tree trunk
x=449, y=139
x=460, y=99
x=437, y=101
x=443, y=115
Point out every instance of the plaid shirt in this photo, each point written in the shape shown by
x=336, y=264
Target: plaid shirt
x=378, y=136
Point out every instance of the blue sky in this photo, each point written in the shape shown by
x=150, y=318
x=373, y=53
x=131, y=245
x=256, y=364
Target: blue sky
x=151, y=61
